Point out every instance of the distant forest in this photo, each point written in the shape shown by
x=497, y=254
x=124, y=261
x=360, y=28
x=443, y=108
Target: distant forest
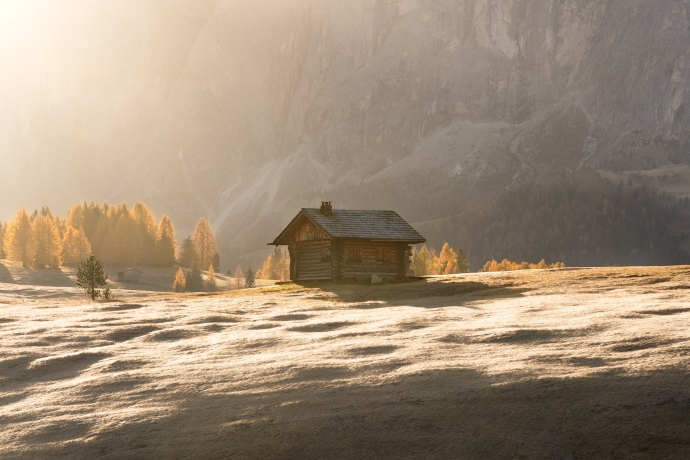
x=114, y=233
x=578, y=219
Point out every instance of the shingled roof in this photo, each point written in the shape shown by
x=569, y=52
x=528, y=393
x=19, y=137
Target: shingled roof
x=350, y=223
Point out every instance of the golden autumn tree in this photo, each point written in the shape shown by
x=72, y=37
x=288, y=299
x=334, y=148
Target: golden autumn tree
x=276, y=267
x=75, y=247
x=147, y=230
x=204, y=243
x=3, y=230
x=238, y=278
x=75, y=217
x=447, y=263
x=166, y=245
x=48, y=244
x=424, y=261
x=180, y=282
x=20, y=244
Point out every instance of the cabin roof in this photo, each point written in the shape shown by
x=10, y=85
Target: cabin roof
x=362, y=224
x=132, y=270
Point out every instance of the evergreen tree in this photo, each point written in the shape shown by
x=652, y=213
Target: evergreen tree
x=204, y=243
x=194, y=281
x=249, y=281
x=187, y=253
x=90, y=276
x=75, y=247
x=20, y=243
x=239, y=278
x=215, y=261
x=463, y=263
x=48, y=244
x=179, y=283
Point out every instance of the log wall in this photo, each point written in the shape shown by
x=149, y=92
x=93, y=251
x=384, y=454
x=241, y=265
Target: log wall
x=313, y=260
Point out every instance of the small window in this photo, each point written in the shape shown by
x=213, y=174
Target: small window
x=354, y=253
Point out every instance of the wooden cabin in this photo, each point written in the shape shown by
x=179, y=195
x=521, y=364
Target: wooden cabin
x=348, y=245
x=131, y=275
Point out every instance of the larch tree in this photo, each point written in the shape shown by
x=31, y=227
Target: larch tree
x=179, y=283
x=447, y=261
x=424, y=261
x=276, y=267
x=147, y=229
x=20, y=243
x=48, y=244
x=166, y=246
x=75, y=217
x=187, y=253
x=204, y=243
x=75, y=247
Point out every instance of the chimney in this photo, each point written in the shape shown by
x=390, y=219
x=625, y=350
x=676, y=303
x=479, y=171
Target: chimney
x=326, y=208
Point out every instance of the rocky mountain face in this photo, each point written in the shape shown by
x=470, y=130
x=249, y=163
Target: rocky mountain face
x=245, y=111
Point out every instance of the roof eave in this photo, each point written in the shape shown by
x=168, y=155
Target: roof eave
x=282, y=235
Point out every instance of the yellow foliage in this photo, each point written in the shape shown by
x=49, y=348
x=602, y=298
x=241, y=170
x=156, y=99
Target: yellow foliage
x=48, y=244
x=20, y=242
x=75, y=247
x=276, y=267
x=507, y=265
x=179, y=284
x=204, y=243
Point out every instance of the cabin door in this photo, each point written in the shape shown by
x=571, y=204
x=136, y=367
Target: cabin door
x=314, y=260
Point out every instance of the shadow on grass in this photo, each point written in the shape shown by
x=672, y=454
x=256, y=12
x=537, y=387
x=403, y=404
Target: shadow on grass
x=5, y=275
x=456, y=413
x=414, y=293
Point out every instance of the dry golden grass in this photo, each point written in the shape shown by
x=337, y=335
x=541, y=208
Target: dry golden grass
x=571, y=363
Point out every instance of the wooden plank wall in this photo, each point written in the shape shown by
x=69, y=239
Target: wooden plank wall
x=352, y=270
x=313, y=260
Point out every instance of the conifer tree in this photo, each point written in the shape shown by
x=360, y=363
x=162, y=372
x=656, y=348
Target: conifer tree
x=211, y=284
x=90, y=276
x=187, y=253
x=147, y=229
x=249, y=277
x=59, y=226
x=20, y=243
x=166, y=246
x=463, y=263
x=447, y=261
x=276, y=267
x=48, y=244
x=424, y=262
x=204, y=243
x=194, y=280
x=75, y=247
x=128, y=236
x=239, y=278
x=75, y=217
x=179, y=283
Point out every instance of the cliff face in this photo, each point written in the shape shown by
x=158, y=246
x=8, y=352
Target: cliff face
x=246, y=110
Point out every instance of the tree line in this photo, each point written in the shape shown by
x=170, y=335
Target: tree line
x=578, y=219
x=113, y=233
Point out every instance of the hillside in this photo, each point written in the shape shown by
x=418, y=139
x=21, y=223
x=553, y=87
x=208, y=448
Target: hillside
x=244, y=111
x=569, y=363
